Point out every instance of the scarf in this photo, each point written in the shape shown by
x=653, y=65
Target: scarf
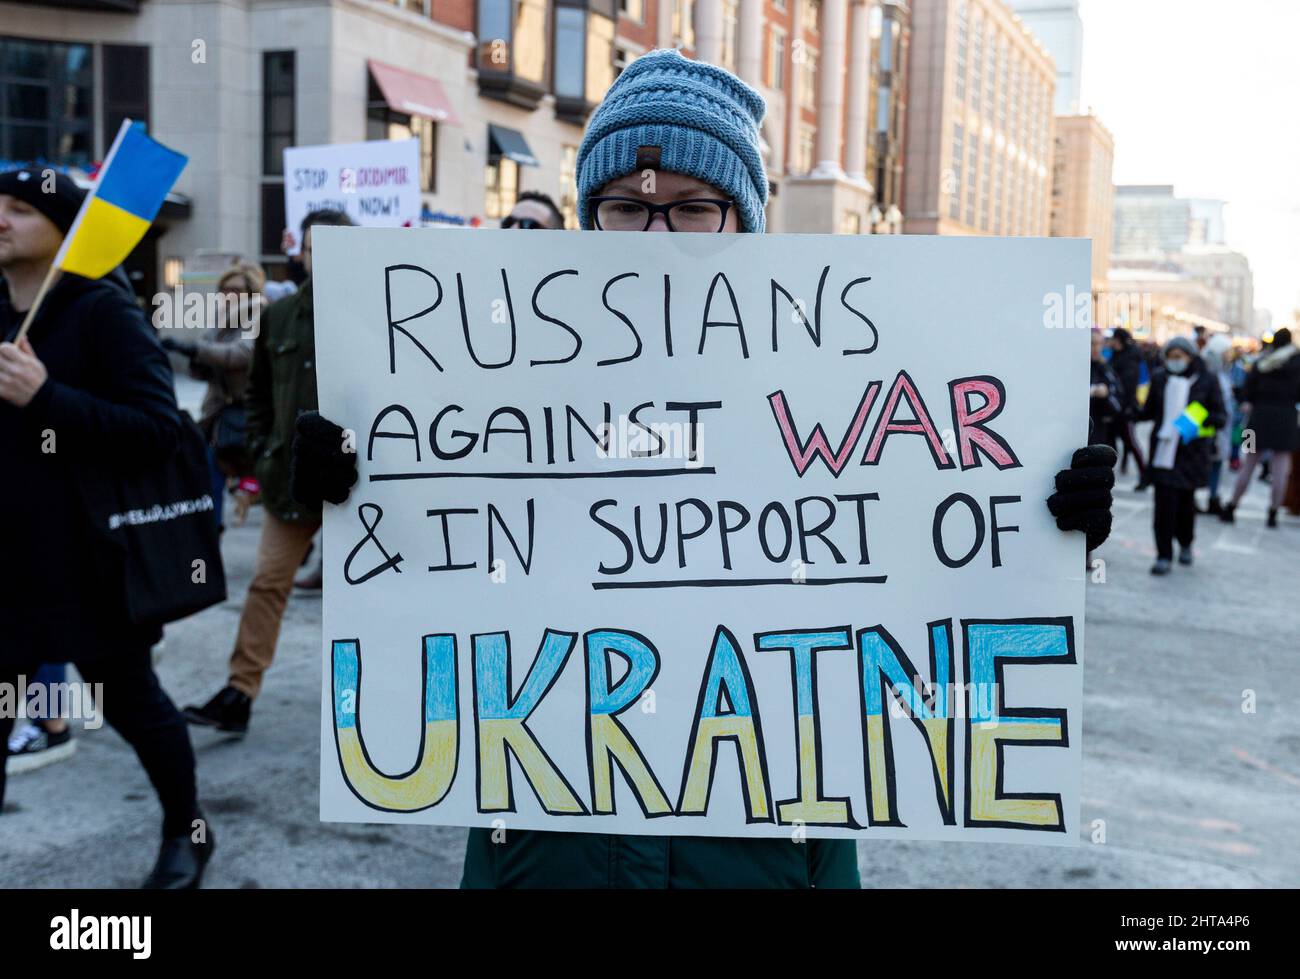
x=1177, y=390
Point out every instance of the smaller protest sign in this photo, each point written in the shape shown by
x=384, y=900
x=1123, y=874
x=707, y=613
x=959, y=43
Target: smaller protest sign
x=377, y=184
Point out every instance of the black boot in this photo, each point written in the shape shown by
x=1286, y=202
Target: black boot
x=181, y=862
x=1215, y=508
x=229, y=710
x=1272, y=516
x=1226, y=514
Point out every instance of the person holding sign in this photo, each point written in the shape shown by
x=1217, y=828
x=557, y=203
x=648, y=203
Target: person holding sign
x=1187, y=406
x=673, y=148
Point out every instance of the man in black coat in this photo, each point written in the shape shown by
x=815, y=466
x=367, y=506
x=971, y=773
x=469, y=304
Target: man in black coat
x=87, y=391
x=1186, y=404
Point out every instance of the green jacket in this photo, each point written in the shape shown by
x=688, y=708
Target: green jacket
x=598, y=860
x=281, y=384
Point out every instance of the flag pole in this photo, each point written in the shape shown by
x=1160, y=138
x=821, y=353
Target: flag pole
x=36, y=303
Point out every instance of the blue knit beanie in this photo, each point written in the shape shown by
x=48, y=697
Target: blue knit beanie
x=703, y=119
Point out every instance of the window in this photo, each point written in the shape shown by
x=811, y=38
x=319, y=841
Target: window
x=126, y=86
x=600, y=57
x=977, y=65
x=502, y=182
x=278, y=108
x=512, y=38
x=990, y=75
x=683, y=23
x=632, y=10
x=804, y=161
x=383, y=123
x=569, y=185
x=584, y=54
x=570, y=39
x=963, y=30
x=811, y=8
x=729, y=34
x=46, y=95
x=776, y=60
x=622, y=58
x=808, y=90
x=954, y=181
x=972, y=174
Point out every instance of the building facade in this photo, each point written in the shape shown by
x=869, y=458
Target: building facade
x=497, y=92
x=1150, y=221
x=1058, y=25
x=979, y=136
x=1083, y=197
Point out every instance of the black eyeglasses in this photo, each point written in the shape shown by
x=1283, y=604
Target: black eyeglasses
x=631, y=214
x=523, y=224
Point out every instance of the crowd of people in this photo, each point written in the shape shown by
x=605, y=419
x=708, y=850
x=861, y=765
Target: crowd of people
x=1213, y=406
x=92, y=370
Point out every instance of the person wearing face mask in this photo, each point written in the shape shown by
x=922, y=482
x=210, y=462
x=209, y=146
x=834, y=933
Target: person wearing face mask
x=1269, y=399
x=696, y=127
x=1187, y=407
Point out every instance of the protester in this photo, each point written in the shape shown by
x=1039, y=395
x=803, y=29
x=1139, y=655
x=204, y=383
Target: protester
x=533, y=211
x=1105, y=405
x=1187, y=407
x=1126, y=362
x=1216, y=353
x=281, y=385
x=86, y=393
x=1269, y=399
x=224, y=362
x=696, y=127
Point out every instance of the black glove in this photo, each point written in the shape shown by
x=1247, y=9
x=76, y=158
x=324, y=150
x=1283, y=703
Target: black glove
x=1082, y=499
x=186, y=348
x=319, y=469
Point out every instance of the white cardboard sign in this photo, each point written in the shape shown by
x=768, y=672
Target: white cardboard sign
x=376, y=183
x=724, y=535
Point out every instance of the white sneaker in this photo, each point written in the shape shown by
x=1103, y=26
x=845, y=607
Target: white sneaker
x=34, y=747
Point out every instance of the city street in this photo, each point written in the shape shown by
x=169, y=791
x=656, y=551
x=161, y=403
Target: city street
x=1182, y=788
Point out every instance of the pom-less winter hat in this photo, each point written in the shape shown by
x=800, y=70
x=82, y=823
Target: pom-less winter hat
x=58, y=198
x=667, y=112
x=1180, y=343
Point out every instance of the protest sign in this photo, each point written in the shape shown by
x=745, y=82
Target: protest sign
x=726, y=535
x=377, y=184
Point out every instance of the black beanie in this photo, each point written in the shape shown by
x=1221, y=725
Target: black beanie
x=59, y=203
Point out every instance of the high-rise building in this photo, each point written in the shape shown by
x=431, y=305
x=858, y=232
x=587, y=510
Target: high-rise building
x=1058, y=25
x=1149, y=220
x=1206, y=217
x=1228, y=275
x=979, y=133
x=1082, y=192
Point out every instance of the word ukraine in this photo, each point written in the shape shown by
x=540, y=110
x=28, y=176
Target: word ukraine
x=727, y=709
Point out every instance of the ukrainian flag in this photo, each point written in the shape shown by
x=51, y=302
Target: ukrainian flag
x=130, y=188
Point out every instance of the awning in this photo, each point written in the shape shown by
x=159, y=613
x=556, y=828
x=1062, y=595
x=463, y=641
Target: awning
x=416, y=95
x=510, y=143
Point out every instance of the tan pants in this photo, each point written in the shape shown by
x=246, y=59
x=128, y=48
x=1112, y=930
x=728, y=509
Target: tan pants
x=280, y=552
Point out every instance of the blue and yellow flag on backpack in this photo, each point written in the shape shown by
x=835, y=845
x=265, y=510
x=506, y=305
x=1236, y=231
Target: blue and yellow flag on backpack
x=130, y=188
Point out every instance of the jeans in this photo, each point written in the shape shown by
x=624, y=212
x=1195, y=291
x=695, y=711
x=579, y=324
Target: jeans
x=136, y=707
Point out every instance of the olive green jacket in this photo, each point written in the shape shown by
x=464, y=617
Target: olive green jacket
x=281, y=385
x=529, y=859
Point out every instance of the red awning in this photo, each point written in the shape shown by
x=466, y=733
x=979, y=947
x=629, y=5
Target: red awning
x=416, y=95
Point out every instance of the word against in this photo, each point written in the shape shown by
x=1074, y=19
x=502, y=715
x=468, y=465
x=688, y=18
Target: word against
x=102, y=933
x=854, y=614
